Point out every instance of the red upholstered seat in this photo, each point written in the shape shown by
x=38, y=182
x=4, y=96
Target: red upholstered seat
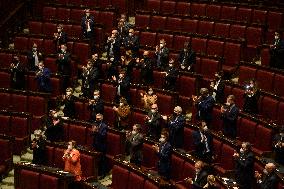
x=189, y=25
x=49, y=28
x=82, y=50
x=232, y=55
x=78, y=133
x=265, y=80
x=221, y=29
x=35, y=27
x=254, y=37
x=209, y=67
x=62, y=13
x=48, y=46
x=6, y=153
x=108, y=92
x=50, y=63
x=107, y=19
x=215, y=48
x=135, y=181
x=198, y=9
x=4, y=124
x=199, y=45
x=213, y=11
x=114, y=144
x=75, y=2
x=120, y=5
x=76, y=33
x=139, y=118
x=103, y=4
x=217, y=149
x=79, y=106
x=244, y=14
x=29, y=179
x=187, y=86
x=38, y=107
x=148, y=39
x=158, y=22
x=58, y=154
x=150, y=157
x=19, y=102
x=37, y=41
x=269, y=107
x=49, y=155
x=183, y=8
x=167, y=37
x=158, y=79
x=275, y=20
x=168, y=7
x=179, y=41
x=142, y=20
x=205, y=27
x=228, y=12
x=263, y=142
x=265, y=56
x=5, y=59
x=153, y=5
x=238, y=93
x=188, y=139
x=173, y=24
x=5, y=99
x=109, y=115
x=49, y=13
x=21, y=43
x=165, y=103
x=246, y=73
x=259, y=16
x=177, y=168
x=226, y=161
x=278, y=84
x=76, y=14
x=120, y=177
x=238, y=31
x=149, y=185
x=47, y=182
x=246, y=130
x=88, y=165
x=56, y=86
x=217, y=123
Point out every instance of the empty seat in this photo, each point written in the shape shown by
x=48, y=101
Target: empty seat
x=142, y=21
x=265, y=56
x=49, y=29
x=239, y=95
x=39, y=105
x=265, y=80
x=5, y=124
x=199, y=45
x=82, y=50
x=168, y=7
x=4, y=97
x=49, y=46
x=165, y=103
x=37, y=41
x=188, y=139
x=49, y=182
x=167, y=37
x=189, y=26
x=5, y=60
x=221, y=30
x=269, y=107
x=158, y=79
x=213, y=11
x=278, y=85
x=20, y=130
x=76, y=32
x=135, y=181
x=109, y=115
x=26, y=178
x=158, y=22
x=77, y=133
x=107, y=18
x=188, y=172
x=79, y=106
x=182, y=8
x=120, y=177
x=179, y=41
x=246, y=73
x=232, y=55
x=226, y=161
x=50, y=63
x=205, y=27
x=265, y=144
x=76, y=15
x=228, y=12
x=35, y=27
x=75, y=2
x=217, y=122
x=120, y=5
x=140, y=118
x=62, y=14
x=187, y=86
x=19, y=102
x=259, y=16
x=89, y=167
x=153, y=5
x=58, y=154
x=198, y=9
x=49, y=13
x=148, y=39
x=244, y=14
x=114, y=144
x=209, y=67
x=275, y=20
x=103, y=4
x=173, y=24
x=150, y=157
x=108, y=92
x=246, y=130
x=238, y=32
x=215, y=48
x=21, y=43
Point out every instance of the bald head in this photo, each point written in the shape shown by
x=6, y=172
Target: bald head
x=270, y=167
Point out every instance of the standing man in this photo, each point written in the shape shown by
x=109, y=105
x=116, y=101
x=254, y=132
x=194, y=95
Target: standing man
x=38, y=147
x=267, y=180
x=88, y=24
x=69, y=103
x=17, y=74
x=64, y=65
x=34, y=57
x=131, y=42
x=96, y=105
x=60, y=37
x=153, y=122
x=43, y=78
x=187, y=58
x=122, y=86
x=200, y=179
x=162, y=55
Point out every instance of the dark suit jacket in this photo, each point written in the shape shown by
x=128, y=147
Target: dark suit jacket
x=89, y=81
x=84, y=24
x=164, y=164
x=189, y=58
x=96, y=108
x=245, y=169
x=230, y=118
x=200, y=147
x=39, y=156
x=55, y=133
x=201, y=180
x=135, y=143
x=31, y=60
x=251, y=103
x=100, y=137
x=132, y=43
x=220, y=92
x=147, y=70
x=63, y=63
x=116, y=49
x=269, y=181
x=69, y=108
x=62, y=39
x=154, y=127
x=279, y=151
x=170, y=79
x=44, y=84
x=18, y=76
x=124, y=88
x=176, y=126
x=205, y=108
x=164, y=58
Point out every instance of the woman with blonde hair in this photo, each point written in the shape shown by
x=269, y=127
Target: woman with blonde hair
x=211, y=183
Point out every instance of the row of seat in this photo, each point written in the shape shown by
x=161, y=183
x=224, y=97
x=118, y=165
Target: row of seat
x=6, y=155
x=16, y=125
x=243, y=14
x=105, y=18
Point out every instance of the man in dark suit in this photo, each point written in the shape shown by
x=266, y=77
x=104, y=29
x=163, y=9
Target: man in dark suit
x=17, y=74
x=43, y=79
x=97, y=64
x=54, y=128
x=113, y=46
x=131, y=42
x=244, y=166
x=176, y=125
x=69, y=104
x=269, y=179
x=38, y=147
x=277, y=51
x=96, y=105
x=164, y=152
x=203, y=143
x=187, y=58
x=64, y=65
x=88, y=24
x=217, y=86
x=134, y=144
x=60, y=37
x=162, y=55
x=34, y=57
x=122, y=86
x=171, y=76
x=146, y=65
x=100, y=142
x=153, y=122
x=200, y=179
x=90, y=78
x=278, y=146
x=204, y=104
x=122, y=28
x=230, y=113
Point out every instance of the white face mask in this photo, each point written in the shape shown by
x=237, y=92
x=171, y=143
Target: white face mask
x=242, y=151
x=153, y=111
x=96, y=97
x=34, y=49
x=170, y=65
x=205, y=128
x=161, y=45
x=276, y=37
x=150, y=92
x=162, y=140
x=120, y=76
x=134, y=132
x=130, y=34
x=69, y=147
x=58, y=30
x=68, y=93
x=197, y=170
x=265, y=172
x=251, y=85
x=120, y=104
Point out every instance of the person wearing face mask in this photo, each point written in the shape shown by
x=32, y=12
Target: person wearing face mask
x=17, y=74
x=217, y=87
x=122, y=114
x=90, y=76
x=171, y=75
x=164, y=152
x=54, y=128
x=278, y=146
x=88, y=24
x=131, y=42
x=34, y=57
x=230, y=113
x=113, y=46
x=187, y=58
x=38, y=147
x=269, y=179
x=64, y=65
x=277, y=51
x=211, y=183
x=43, y=78
x=244, y=160
x=176, y=124
x=146, y=65
x=203, y=143
x=122, y=86
x=204, y=104
x=96, y=105
x=60, y=37
x=68, y=100
x=134, y=144
x=148, y=99
x=71, y=160
x=162, y=55
x=199, y=181
x=127, y=63
x=99, y=142
x=153, y=122
x=251, y=97
x=97, y=64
